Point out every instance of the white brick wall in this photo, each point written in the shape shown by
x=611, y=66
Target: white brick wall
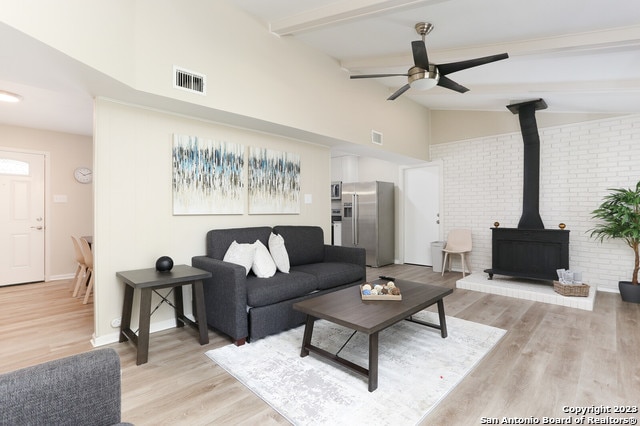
x=483, y=184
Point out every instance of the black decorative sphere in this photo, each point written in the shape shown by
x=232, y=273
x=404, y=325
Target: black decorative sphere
x=164, y=264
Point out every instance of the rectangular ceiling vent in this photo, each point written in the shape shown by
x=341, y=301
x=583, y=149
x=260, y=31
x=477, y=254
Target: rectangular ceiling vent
x=376, y=137
x=189, y=80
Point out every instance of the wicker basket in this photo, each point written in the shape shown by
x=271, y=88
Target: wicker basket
x=581, y=290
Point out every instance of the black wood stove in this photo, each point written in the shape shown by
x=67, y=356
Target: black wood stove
x=530, y=250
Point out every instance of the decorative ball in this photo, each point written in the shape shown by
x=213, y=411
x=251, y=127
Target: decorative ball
x=391, y=284
x=374, y=292
x=366, y=287
x=164, y=264
x=562, y=226
x=378, y=288
x=366, y=292
x=496, y=224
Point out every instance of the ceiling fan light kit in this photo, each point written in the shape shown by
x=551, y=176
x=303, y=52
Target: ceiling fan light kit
x=425, y=75
x=420, y=79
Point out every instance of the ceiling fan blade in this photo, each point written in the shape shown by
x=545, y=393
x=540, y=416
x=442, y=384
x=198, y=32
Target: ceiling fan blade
x=447, y=83
x=420, y=58
x=463, y=65
x=399, y=92
x=377, y=75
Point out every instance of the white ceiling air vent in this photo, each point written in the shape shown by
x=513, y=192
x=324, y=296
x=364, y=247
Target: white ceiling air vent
x=189, y=80
x=376, y=137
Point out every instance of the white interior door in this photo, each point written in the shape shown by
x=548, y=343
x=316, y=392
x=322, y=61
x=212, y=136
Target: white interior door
x=421, y=213
x=21, y=217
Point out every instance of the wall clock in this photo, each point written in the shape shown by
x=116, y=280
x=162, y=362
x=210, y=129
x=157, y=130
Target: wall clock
x=83, y=174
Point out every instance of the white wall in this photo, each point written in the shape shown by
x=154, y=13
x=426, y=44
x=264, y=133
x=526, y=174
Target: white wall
x=94, y=32
x=134, y=224
x=578, y=162
x=250, y=72
x=64, y=152
x=451, y=126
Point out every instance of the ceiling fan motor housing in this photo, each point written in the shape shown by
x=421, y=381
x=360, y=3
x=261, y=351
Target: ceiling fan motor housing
x=417, y=73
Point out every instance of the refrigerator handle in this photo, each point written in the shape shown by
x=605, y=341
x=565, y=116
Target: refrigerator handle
x=356, y=219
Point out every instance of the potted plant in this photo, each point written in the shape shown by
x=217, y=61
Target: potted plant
x=619, y=216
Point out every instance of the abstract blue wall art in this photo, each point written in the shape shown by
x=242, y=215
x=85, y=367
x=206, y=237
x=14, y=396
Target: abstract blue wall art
x=274, y=182
x=208, y=176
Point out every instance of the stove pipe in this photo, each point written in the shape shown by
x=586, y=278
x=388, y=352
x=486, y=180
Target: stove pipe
x=530, y=218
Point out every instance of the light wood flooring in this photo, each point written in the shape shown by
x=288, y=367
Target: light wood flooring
x=551, y=357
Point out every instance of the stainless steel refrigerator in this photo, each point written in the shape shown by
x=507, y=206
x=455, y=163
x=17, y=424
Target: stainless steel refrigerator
x=368, y=220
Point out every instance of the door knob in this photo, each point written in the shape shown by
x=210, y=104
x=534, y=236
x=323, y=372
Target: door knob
x=37, y=227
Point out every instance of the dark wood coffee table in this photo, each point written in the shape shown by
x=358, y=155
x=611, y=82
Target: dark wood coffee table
x=346, y=307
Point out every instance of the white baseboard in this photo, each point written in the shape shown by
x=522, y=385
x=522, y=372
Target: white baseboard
x=114, y=337
x=59, y=277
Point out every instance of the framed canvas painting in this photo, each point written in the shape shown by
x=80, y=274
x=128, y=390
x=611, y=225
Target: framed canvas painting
x=208, y=176
x=274, y=182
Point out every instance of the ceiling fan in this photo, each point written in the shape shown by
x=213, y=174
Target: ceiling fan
x=424, y=75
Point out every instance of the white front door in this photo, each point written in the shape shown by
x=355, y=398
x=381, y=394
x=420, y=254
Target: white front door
x=22, y=219
x=421, y=213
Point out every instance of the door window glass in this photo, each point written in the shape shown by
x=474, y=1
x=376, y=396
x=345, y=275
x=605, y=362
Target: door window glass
x=9, y=166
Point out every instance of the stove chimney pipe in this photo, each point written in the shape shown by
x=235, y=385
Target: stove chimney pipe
x=530, y=218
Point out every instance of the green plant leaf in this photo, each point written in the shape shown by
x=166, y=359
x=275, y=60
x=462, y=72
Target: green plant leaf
x=619, y=218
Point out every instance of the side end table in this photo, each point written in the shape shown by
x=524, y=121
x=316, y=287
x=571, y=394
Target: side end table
x=150, y=280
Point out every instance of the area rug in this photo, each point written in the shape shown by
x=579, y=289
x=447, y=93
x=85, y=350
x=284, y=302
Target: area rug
x=417, y=369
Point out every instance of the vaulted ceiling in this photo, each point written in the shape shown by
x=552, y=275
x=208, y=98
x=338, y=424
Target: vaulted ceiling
x=579, y=55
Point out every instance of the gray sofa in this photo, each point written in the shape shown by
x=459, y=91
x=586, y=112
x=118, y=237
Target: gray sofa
x=80, y=389
x=247, y=307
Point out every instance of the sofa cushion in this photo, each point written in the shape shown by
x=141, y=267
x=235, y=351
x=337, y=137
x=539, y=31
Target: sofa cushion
x=279, y=252
x=241, y=254
x=332, y=274
x=219, y=240
x=305, y=244
x=263, y=265
x=265, y=291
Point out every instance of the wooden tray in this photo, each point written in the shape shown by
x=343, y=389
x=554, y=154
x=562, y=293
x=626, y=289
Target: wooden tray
x=379, y=296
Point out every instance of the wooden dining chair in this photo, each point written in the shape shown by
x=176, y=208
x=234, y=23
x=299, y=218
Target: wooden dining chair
x=80, y=278
x=88, y=260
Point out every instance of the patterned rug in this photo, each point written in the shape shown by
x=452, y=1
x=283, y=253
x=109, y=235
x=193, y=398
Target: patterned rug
x=417, y=369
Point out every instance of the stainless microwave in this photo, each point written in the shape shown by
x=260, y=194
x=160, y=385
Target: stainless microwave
x=336, y=190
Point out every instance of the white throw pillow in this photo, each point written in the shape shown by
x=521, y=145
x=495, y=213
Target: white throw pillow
x=263, y=265
x=240, y=254
x=279, y=252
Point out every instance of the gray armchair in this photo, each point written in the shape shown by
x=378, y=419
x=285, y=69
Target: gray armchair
x=82, y=389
